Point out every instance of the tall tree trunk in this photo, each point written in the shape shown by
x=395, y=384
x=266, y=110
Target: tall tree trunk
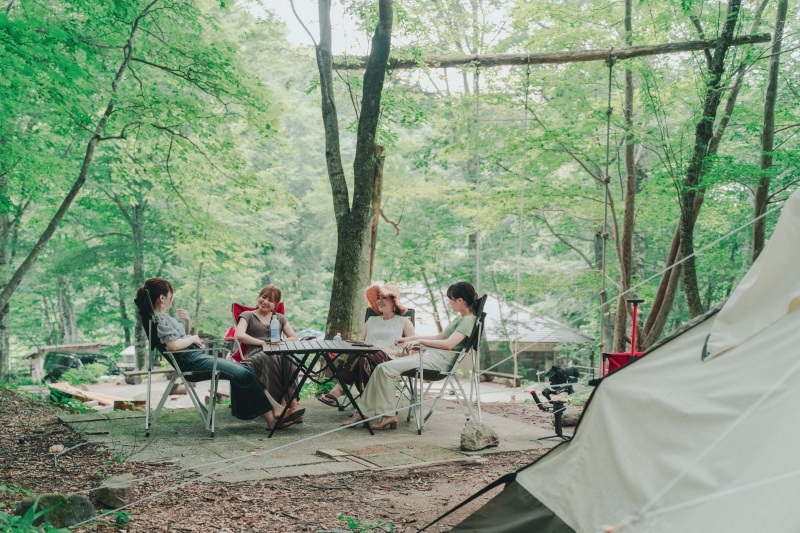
x=768, y=131
x=628, y=221
x=436, y=318
x=8, y=227
x=703, y=135
x=665, y=295
x=66, y=314
x=377, y=192
x=197, y=301
x=353, y=223
x=136, y=221
x=123, y=314
x=5, y=344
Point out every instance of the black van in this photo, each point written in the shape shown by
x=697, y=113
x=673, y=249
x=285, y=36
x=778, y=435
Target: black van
x=58, y=362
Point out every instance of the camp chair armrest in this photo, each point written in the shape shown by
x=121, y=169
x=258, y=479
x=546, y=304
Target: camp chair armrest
x=426, y=348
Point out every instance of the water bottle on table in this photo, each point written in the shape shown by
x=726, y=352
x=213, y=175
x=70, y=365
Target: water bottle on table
x=274, y=329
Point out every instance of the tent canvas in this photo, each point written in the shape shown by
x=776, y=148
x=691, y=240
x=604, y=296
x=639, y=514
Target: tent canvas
x=694, y=436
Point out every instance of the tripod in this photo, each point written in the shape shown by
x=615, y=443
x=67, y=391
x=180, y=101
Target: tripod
x=557, y=407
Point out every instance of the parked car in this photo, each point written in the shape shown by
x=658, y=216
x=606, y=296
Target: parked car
x=58, y=362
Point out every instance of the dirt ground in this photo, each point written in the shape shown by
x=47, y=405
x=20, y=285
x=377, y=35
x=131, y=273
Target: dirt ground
x=404, y=499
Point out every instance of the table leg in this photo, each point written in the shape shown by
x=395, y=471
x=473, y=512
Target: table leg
x=296, y=394
x=335, y=371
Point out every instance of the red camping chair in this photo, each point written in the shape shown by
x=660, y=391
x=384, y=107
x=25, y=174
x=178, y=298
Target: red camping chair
x=236, y=310
x=613, y=361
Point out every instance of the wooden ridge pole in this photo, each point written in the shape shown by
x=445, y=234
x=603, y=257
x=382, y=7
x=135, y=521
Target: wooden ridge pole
x=544, y=58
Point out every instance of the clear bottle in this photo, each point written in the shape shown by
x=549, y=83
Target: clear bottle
x=337, y=337
x=274, y=329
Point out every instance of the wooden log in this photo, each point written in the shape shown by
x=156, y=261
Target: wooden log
x=545, y=58
x=96, y=399
x=570, y=417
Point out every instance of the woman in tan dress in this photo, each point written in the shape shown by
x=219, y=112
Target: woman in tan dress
x=253, y=332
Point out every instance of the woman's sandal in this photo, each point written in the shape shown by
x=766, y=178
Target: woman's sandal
x=384, y=425
x=329, y=399
x=289, y=419
x=283, y=425
x=350, y=421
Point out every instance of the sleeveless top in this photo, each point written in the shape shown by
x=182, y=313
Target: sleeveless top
x=382, y=333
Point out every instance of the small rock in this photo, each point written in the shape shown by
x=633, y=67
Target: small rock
x=56, y=448
x=133, y=380
x=63, y=511
x=116, y=491
x=83, y=387
x=476, y=436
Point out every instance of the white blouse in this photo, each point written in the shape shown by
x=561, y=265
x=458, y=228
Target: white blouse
x=382, y=333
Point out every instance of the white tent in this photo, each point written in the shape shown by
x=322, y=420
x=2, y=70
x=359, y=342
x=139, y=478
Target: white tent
x=697, y=435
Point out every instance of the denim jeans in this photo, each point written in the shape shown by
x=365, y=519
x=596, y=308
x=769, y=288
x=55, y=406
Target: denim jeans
x=248, y=400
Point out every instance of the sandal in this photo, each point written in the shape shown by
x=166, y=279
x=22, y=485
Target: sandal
x=283, y=425
x=330, y=399
x=289, y=419
x=384, y=425
x=350, y=421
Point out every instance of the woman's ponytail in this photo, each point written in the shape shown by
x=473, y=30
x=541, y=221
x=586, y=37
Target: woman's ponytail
x=155, y=287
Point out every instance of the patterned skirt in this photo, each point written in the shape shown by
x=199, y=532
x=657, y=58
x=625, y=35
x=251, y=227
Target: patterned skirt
x=273, y=371
x=357, y=369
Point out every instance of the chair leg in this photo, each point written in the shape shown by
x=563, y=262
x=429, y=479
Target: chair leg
x=154, y=417
x=462, y=399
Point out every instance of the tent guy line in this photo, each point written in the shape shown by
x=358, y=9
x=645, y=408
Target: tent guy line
x=232, y=462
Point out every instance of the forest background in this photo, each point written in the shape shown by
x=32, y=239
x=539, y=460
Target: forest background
x=185, y=140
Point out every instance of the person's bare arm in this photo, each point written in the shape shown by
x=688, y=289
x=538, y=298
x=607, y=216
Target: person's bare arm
x=241, y=335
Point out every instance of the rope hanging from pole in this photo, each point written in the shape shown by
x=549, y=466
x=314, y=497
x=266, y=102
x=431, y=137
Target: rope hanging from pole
x=610, y=60
x=523, y=174
x=476, y=169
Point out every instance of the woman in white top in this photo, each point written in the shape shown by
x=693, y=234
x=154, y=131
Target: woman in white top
x=379, y=395
x=381, y=331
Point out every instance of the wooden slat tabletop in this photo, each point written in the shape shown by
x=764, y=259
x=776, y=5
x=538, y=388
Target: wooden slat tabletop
x=300, y=347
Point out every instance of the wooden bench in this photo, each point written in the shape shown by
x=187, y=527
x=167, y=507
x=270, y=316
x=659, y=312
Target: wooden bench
x=515, y=378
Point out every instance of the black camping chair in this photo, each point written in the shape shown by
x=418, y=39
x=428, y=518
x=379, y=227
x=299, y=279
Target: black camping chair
x=409, y=314
x=414, y=380
x=157, y=348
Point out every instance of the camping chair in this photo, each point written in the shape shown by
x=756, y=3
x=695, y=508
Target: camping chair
x=414, y=380
x=215, y=348
x=409, y=314
x=236, y=310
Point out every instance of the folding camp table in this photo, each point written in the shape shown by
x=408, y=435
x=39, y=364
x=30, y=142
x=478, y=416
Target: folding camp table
x=306, y=355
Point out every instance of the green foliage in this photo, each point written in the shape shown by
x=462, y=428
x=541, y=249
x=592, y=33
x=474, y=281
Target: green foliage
x=90, y=373
x=366, y=527
x=315, y=390
x=25, y=523
x=71, y=405
x=220, y=182
x=121, y=519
